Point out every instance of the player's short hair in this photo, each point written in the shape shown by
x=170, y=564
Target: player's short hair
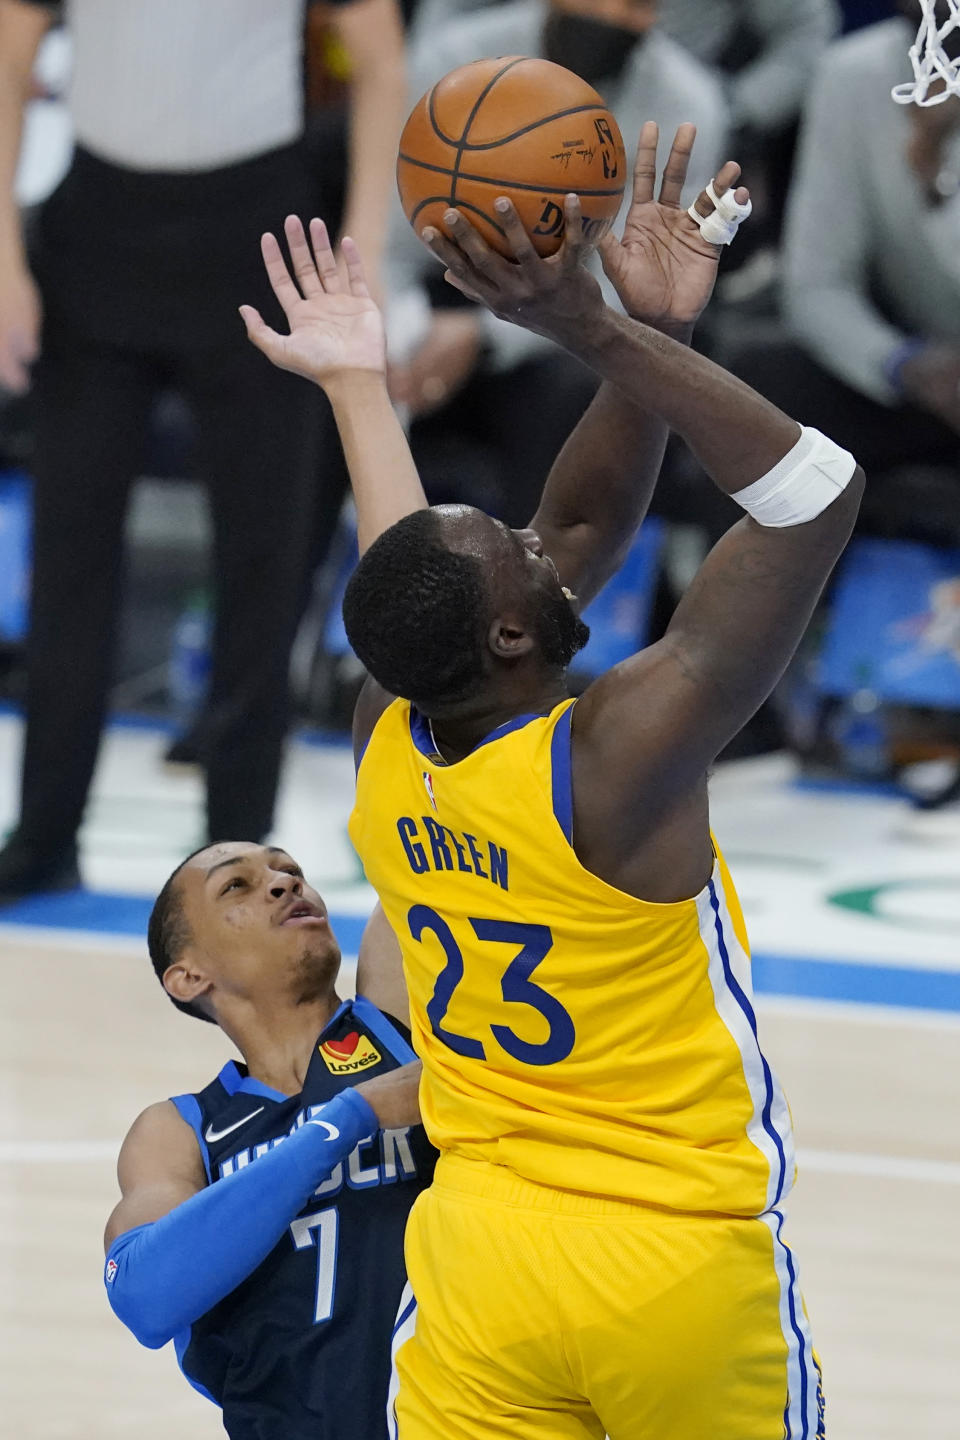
x=168, y=934
x=416, y=614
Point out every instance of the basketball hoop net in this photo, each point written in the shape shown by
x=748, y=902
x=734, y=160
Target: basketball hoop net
x=931, y=63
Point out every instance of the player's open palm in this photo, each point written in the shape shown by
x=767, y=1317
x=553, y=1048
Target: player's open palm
x=661, y=267
x=335, y=327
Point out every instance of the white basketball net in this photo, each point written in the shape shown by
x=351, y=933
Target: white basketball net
x=929, y=59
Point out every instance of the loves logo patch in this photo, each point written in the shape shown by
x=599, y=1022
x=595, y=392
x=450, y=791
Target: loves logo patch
x=349, y=1054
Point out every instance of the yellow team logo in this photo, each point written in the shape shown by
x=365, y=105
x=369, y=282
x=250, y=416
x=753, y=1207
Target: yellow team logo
x=349, y=1054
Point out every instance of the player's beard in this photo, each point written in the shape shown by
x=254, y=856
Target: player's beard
x=313, y=974
x=560, y=631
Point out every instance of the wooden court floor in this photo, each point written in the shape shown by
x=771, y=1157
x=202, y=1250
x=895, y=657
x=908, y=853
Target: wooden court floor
x=87, y=1040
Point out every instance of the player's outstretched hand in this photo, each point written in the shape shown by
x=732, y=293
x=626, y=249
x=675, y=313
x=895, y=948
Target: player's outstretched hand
x=395, y=1096
x=335, y=327
x=545, y=295
x=661, y=267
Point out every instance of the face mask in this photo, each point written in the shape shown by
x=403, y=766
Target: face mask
x=590, y=48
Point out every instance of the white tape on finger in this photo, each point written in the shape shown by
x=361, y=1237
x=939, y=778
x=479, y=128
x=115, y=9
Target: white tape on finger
x=722, y=224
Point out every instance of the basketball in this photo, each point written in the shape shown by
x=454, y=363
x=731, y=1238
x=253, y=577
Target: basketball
x=519, y=127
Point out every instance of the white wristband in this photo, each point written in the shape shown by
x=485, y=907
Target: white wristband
x=802, y=485
x=723, y=222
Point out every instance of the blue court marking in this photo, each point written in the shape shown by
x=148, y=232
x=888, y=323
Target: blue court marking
x=348, y=930
x=838, y=785
x=82, y=910
x=323, y=739
x=816, y=978
x=809, y=977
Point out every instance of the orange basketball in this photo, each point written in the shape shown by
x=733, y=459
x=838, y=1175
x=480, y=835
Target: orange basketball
x=519, y=127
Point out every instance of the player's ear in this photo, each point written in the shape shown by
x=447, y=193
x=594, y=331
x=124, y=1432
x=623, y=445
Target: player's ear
x=185, y=980
x=508, y=640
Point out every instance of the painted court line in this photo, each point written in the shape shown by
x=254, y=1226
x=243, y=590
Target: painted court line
x=57, y=1152
x=827, y=1162
x=855, y=1013
x=880, y=1167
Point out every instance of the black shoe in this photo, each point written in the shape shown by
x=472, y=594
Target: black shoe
x=27, y=870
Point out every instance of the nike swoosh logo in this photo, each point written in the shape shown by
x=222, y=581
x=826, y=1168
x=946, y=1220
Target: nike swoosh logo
x=211, y=1135
x=332, y=1132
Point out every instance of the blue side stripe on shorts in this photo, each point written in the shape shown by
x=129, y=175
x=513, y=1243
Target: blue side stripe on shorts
x=741, y=999
x=794, y=1325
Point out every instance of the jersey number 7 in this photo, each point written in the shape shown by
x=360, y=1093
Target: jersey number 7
x=326, y=1224
x=515, y=985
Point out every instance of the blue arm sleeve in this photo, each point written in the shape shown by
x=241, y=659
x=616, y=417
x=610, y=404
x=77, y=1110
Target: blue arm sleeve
x=162, y=1277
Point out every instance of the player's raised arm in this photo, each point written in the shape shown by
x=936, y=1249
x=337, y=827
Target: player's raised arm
x=336, y=340
x=737, y=627
x=742, y=618
x=664, y=270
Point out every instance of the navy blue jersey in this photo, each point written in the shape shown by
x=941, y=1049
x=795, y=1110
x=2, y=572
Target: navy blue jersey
x=301, y=1349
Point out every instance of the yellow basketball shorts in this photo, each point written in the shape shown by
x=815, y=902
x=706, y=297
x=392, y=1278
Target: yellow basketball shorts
x=534, y=1313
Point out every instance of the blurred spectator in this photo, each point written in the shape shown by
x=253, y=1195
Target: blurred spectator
x=188, y=120
x=492, y=404
x=767, y=50
x=873, y=281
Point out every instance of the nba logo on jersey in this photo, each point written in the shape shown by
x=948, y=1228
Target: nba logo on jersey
x=428, y=782
x=349, y=1054
x=110, y=1272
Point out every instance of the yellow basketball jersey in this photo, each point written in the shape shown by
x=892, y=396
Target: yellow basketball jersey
x=580, y=1037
